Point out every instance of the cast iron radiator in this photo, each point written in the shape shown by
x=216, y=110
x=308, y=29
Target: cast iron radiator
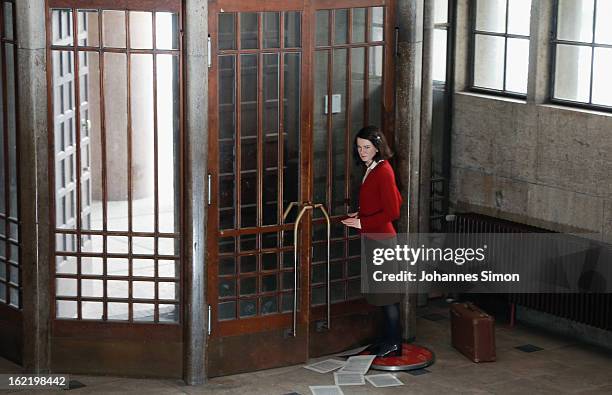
x=590, y=309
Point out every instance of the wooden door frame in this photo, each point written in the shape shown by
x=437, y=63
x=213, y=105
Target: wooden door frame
x=103, y=346
x=280, y=320
x=306, y=314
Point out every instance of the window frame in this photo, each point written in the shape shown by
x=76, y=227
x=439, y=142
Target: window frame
x=449, y=58
x=11, y=215
x=78, y=233
x=555, y=41
x=472, y=52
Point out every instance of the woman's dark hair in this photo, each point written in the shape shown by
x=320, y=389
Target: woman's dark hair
x=378, y=140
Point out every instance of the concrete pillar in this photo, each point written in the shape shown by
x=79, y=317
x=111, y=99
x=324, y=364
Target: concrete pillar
x=196, y=188
x=34, y=183
x=426, y=124
x=462, y=40
x=408, y=131
x=426, y=114
x=538, y=86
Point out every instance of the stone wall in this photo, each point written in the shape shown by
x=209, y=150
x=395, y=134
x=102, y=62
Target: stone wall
x=542, y=165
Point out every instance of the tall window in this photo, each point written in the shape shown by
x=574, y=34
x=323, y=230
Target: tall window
x=583, y=53
x=440, y=47
x=116, y=146
x=10, y=284
x=500, y=46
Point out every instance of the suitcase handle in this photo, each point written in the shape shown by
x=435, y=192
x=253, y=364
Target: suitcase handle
x=470, y=307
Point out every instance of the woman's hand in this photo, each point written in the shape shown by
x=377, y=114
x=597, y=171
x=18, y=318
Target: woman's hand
x=353, y=215
x=352, y=222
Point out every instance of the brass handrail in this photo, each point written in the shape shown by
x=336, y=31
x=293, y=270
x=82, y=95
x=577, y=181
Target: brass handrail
x=288, y=210
x=324, y=211
x=306, y=207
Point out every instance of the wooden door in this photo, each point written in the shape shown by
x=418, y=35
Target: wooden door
x=289, y=89
x=258, y=130
x=353, y=87
x=116, y=151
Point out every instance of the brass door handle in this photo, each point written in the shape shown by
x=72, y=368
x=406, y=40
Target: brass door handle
x=309, y=206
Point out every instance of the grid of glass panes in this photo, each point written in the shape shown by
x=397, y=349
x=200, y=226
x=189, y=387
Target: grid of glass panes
x=583, y=53
x=500, y=46
x=10, y=281
x=345, y=265
x=348, y=67
x=259, y=74
x=440, y=41
x=255, y=281
x=116, y=127
x=254, y=69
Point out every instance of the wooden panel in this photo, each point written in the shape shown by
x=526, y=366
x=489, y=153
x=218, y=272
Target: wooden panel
x=254, y=324
x=122, y=349
x=257, y=351
x=348, y=331
x=145, y=358
x=339, y=309
x=117, y=330
x=11, y=334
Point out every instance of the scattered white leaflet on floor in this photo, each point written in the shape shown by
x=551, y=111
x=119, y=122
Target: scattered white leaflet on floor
x=325, y=390
x=326, y=366
x=349, y=379
x=358, y=364
x=383, y=380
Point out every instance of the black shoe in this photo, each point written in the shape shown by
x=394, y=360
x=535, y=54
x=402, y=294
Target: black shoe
x=390, y=350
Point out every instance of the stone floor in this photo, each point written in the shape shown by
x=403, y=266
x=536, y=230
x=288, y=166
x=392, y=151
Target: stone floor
x=561, y=366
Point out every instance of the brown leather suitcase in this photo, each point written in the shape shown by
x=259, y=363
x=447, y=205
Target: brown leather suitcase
x=473, y=332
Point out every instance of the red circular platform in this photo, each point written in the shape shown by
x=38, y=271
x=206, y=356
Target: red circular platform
x=413, y=357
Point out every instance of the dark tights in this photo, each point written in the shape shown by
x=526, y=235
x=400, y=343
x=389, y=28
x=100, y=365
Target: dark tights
x=392, y=323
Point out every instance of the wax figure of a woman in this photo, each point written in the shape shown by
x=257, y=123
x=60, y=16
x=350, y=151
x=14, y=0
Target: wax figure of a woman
x=379, y=204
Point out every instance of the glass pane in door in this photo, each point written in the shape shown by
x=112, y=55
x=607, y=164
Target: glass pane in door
x=320, y=127
x=291, y=128
x=270, y=136
x=259, y=113
x=249, y=66
x=340, y=136
x=117, y=152
x=375, y=84
x=227, y=142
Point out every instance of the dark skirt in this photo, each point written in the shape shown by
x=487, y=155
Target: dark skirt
x=379, y=293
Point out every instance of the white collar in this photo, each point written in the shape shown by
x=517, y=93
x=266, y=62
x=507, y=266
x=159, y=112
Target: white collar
x=369, y=169
x=373, y=164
